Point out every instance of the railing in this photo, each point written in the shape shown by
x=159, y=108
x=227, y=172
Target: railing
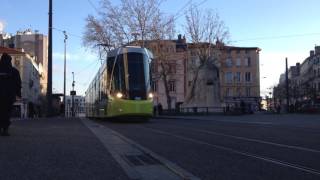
x=194, y=111
x=206, y=111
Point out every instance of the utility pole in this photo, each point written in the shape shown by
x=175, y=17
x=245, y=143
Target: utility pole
x=72, y=94
x=287, y=85
x=65, y=69
x=49, y=85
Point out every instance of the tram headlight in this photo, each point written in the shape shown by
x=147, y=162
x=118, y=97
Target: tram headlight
x=150, y=95
x=119, y=95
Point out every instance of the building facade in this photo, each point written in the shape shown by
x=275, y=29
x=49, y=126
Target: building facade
x=170, y=57
x=304, y=82
x=79, y=106
x=30, y=78
x=233, y=76
x=240, y=76
x=35, y=45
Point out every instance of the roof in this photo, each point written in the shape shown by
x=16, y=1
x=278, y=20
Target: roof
x=10, y=50
x=222, y=46
x=242, y=48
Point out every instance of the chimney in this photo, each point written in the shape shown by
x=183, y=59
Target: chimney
x=311, y=53
x=317, y=49
x=179, y=37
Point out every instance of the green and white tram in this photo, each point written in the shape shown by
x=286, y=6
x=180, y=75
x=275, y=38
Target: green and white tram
x=122, y=85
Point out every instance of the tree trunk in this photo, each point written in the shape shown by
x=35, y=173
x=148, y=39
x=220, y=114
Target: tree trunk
x=191, y=93
x=166, y=87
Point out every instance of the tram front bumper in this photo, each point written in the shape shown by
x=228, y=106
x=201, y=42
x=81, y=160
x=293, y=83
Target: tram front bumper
x=121, y=107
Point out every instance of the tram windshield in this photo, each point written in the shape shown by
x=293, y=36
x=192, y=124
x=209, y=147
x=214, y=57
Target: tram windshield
x=131, y=75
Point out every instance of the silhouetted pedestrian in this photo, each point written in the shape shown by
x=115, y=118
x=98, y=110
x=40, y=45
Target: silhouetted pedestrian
x=10, y=88
x=243, y=107
x=31, y=110
x=62, y=110
x=291, y=108
x=160, y=109
x=278, y=109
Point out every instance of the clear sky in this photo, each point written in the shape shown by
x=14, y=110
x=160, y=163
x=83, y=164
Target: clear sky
x=252, y=23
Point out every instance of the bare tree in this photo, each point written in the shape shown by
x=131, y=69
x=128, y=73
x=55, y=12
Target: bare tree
x=204, y=29
x=116, y=24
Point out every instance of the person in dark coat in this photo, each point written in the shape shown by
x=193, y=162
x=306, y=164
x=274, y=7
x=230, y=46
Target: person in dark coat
x=31, y=110
x=160, y=109
x=10, y=88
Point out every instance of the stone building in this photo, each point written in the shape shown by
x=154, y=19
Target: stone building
x=79, y=106
x=230, y=77
x=35, y=45
x=233, y=76
x=240, y=75
x=304, y=82
x=170, y=58
x=30, y=72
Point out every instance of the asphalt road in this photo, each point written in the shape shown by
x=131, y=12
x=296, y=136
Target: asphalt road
x=55, y=149
x=234, y=147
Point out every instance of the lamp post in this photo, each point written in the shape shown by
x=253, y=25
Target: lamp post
x=65, y=69
x=72, y=94
x=49, y=85
x=287, y=85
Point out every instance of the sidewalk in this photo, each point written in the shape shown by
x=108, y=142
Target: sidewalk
x=55, y=149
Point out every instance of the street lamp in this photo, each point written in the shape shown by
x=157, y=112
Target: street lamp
x=65, y=65
x=73, y=94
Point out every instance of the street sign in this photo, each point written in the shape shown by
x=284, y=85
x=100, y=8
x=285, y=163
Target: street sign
x=73, y=93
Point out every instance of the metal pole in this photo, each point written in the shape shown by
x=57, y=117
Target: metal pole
x=65, y=70
x=49, y=85
x=287, y=85
x=72, y=109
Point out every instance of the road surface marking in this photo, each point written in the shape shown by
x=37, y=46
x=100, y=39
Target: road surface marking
x=138, y=162
x=250, y=139
x=270, y=160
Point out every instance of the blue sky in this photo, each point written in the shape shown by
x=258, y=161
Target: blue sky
x=246, y=19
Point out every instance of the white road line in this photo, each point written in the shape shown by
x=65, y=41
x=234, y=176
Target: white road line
x=252, y=140
x=270, y=160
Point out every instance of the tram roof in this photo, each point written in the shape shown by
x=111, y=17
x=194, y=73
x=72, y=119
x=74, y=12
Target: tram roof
x=127, y=49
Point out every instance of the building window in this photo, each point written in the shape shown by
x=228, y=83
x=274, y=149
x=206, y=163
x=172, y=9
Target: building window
x=154, y=86
x=172, y=86
x=17, y=63
x=248, y=77
x=237, y=77
x=239, y=92
x=228, y=77
x=229, y=62
x=247, y=62
x=153, y=67
x=238, y=62
x=228, y=92
x=189, y=83
x=172, y=68
x=193, y=61
x=248, y=92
